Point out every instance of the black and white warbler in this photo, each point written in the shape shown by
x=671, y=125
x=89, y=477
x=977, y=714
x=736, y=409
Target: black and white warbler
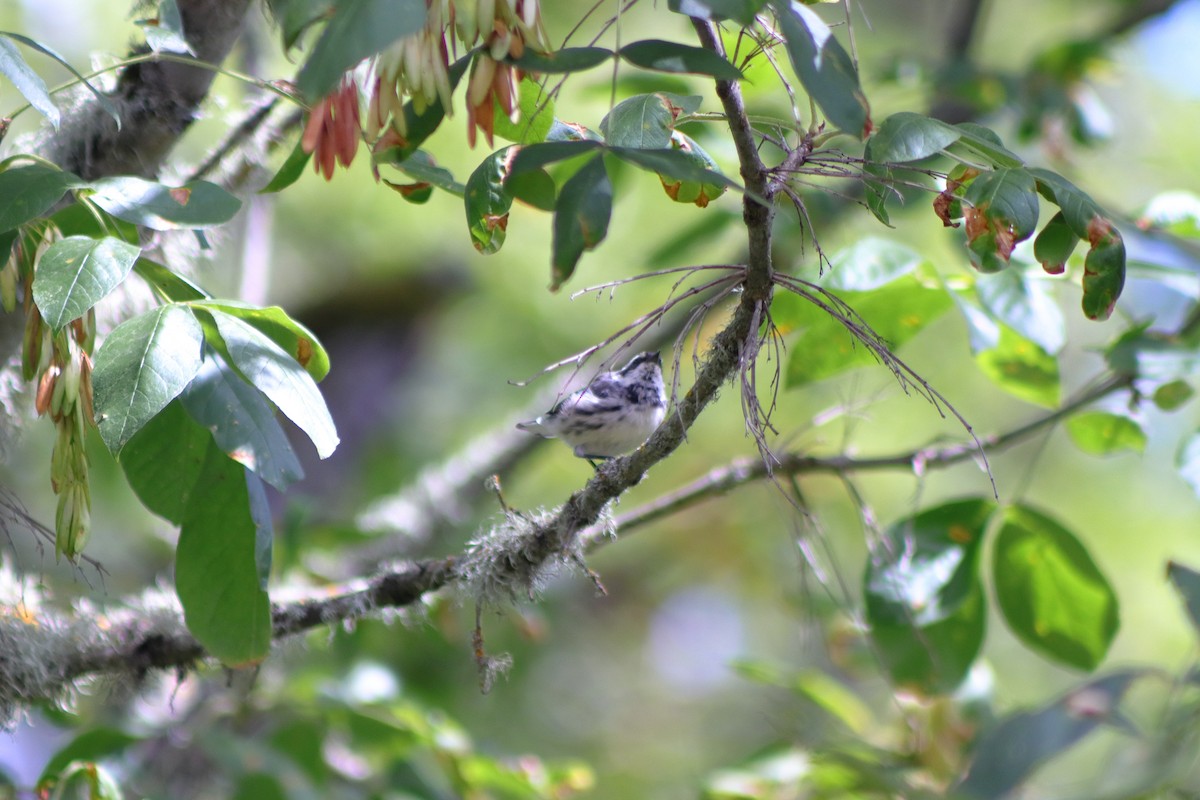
x=613, y=414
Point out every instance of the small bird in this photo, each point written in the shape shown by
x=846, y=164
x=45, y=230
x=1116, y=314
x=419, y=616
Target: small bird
x=613, y=414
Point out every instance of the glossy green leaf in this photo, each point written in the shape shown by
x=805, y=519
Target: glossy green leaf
x=645, y=121
x=1007, y=755
x=164, y=33
x=1187, y=582
x=76, y=273
x=198, y=204
x=1103, y=275
x=162, y=462
x=537, y=115
x=172, y=286
x=534, y=188
x=290, y=171
x=664, y=56
x=1025, y=304
x=242, y=422
x=906, y=137
x=571, y=132
x=742, y=11
x=101, y=97
x=1021, y=368
x=1100, y=433
x=924, y=599
x=487, y=201
x=980, y=147
x=295, y=339
x=559, y=62
x=538, y=156
x=27, y=81
x=420, y=125
x=677, y=165
x=421, y=167
x=216, y=565
x=896, y=312
x=143, y=364
x=1050, y=591
x=29, y=191
x=580, y=218
x=824, y=68
x=869, y=263
x=89, y=745
x=1054, y=245
x=357, y=29
x=1008, y=198
x=278, y=375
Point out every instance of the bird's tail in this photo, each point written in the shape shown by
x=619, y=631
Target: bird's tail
x=532, y=426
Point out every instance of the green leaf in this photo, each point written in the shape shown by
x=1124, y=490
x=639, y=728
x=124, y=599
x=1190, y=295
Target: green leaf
x=1007, y=755
x=357, y=29
x=580, y=218
x=295, y=339
x=906, y=137
x=983, y=332
x=162, y=462
x=537, y=115
x=980, y=147
x=90, y=745
x=165, y=32
x=172, y=286
x=534, y=188
x=143, y=364
x=664, y=56
x=242, y=422
x=924, y=599
x=27, y=82
x=28, y=192
x=216, y=565
x=538, y=156
x=1051, y=593
x=824, y=68
x=1187, y=583
x=76, y=273
x=1008, y=198
x=568, y=59
x=742, y=11
x=677, y=165
x=1054, y=245
x=896, y=312
x=1173, y=395
x=1099, y=433
x=487, y=201
x=1021, y=368
x=100, y=96
x=275, y=373
x=290, y=171
x=1103, y=275
x=1026, y=305
x=296, y=16
x=645, y=121
x=869, y=263
x=197, y=204
x=421, y=167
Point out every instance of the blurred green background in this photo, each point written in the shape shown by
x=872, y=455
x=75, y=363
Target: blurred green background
x=426, y=337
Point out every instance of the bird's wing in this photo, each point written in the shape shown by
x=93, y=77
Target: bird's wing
x=602, y=394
